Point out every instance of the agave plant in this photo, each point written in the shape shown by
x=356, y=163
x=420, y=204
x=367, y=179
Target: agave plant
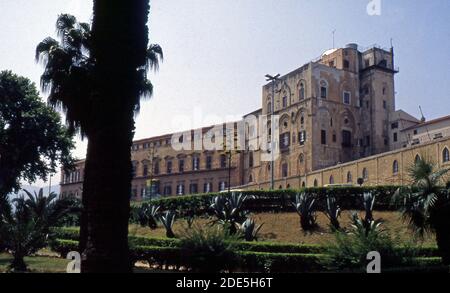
x=249, y=230
x=152, y=213
x=362, y=228
x=368, y=202
x=333, y=212
x=168, y=219
x=229, y=211
x=304, y=205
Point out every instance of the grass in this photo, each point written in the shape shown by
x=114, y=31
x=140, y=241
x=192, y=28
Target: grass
x=37, y=264
x=285, y=228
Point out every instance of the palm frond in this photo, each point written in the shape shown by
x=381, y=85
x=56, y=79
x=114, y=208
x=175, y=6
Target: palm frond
x=64, y=23
x=155, y=55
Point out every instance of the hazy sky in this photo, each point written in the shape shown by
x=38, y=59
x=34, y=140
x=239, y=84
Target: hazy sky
x=218, y=51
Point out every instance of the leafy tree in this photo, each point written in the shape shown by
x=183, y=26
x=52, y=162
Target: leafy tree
x=98, y=77
x=32, y=139
x=427, y=204
x=25, y=224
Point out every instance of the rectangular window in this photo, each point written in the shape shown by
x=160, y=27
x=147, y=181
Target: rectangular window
x=208, y=162
x=145, y=172
x=302, y=137
x=285, y=140
x=394, y=125
x=207, y=187
x=167, y=190
x=384, y=104
x=156, y=168
x=181, y=166
x=223, y=161
x=169, y=167
x=323, y=137
x=395, y=137
x=193, y=188
x=195, y=164
x=334, y=137
x=368, y=140
x=285, y=100
x=346, y=98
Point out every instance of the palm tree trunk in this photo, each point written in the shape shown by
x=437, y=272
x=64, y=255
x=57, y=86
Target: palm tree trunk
x=106, y=191
x=18, y=264
x=442, y=232
x=119, y=43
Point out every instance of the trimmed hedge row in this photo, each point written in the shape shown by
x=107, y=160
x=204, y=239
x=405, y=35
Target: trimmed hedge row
x=248, y=261
x=348, y=198
x=72, y=234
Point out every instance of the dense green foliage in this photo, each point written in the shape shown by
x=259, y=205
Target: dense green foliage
x=208, y=250
x=25, y=224
x=426, y=205
x=348, y=198
x=32, y=138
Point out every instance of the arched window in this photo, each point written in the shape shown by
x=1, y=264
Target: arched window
x=301, y=158
x=395, y=167
x=301, y=92
x=288, y=186
x=365, y=174
x=417, y=159
x=349, y=177
x=445, y=155
x=250, y=178
x=331, y=179
x=315, y=183
x=303, y=184
x=269, y=107
x=302, y=120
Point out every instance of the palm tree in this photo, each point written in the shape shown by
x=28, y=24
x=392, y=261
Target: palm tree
x=427, y=204
x=98, y=77
x=25, y=224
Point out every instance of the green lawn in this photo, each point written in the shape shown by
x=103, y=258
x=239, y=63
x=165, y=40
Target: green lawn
x=37, y=264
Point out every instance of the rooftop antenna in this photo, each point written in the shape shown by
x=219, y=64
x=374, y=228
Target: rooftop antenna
x=333, y=32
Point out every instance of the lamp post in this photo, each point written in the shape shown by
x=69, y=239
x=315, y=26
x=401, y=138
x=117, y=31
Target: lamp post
x=272, y=79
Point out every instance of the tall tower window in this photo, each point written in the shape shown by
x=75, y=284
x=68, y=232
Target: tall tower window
x=302, y=91
x=323, y=137
x=285, y=102
x=323, y=89
x=346, y=98
x=284, y=170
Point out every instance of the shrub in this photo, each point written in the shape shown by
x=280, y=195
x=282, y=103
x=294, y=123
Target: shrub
x=63, y=247
x=208, y=250
x=349, y=250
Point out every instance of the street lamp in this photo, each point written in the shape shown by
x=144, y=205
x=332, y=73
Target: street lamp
x=272, y=79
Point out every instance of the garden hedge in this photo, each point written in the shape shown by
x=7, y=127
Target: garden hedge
x=71, y=236
x=349, y=198
x=246, y=261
